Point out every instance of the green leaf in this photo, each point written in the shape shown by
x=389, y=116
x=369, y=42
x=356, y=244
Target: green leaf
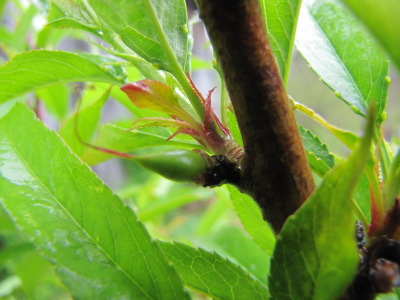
x=381, y=18
x=67, y=14
x=56, y=99
x=281, y=20
x=343, y=55
x=315, y=256
x=252, y=220
x=319, y=158
x=117, y=138
x=155, y=29
x=235, y=244
x=100, y=249
x=84, y=123
x=35, y=69
x=392, y=185
x=390, y=296
x=362, y=197
x=72, y=9
x=174, y=199
x=212, y=274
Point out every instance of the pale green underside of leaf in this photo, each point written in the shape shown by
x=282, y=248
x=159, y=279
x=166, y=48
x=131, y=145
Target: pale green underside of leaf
x=151, y=28
x=250, y=216
x=281, y=20
x=319, y=157
x=39, y=68
x=212, y=274
x=315, y=256
x=341, y=52
x=382, y=19
x=100, y=249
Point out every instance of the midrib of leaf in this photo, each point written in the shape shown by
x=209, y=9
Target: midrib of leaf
x=32, y=172
x=341, y=61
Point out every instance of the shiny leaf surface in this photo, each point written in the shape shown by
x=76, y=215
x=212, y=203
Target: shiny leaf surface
x=100, y=249
x=155, y=29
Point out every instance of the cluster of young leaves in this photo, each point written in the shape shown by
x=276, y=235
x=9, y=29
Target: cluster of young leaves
x=98, y=246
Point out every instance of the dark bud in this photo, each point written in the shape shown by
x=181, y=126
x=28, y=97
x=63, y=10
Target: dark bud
x=221, y=171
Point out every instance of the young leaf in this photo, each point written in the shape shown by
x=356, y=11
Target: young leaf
x=35, y=69
x=212, y=274
x=315, y=256
x=100, y=249
x=154, y=29
x=343, y=55
x=320, y=159
x=252, y=220
x=281, y=20
x=381, y=17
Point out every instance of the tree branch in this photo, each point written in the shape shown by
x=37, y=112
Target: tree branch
x=275, y=171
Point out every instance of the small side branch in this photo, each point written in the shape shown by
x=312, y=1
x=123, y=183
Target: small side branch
x=275, y=171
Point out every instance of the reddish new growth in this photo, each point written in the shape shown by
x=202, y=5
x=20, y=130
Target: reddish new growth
x=211, y=133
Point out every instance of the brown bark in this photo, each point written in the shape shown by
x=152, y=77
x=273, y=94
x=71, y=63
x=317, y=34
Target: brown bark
x=275, y=171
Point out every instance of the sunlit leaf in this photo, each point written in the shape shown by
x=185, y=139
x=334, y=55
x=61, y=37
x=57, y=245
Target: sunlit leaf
x=35, y=69
x=343, y=55
x=155, y=29
x=100, y=249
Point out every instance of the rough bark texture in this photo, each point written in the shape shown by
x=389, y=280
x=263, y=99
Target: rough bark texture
x=275, y=171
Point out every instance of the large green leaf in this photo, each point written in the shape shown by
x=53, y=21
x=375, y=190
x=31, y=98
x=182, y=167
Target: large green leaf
x=212, y=274
x=343, y=55
x=281, y=19
x=382, y=18
x=319, y=157
x=316, y=256
x=250, y=216
x=155, y=29
x=100, y=249
x=35, y=69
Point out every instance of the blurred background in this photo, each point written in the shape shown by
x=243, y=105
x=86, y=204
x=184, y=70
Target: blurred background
x=198, y=216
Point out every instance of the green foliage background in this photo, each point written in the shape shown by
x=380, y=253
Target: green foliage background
x=65, y=234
